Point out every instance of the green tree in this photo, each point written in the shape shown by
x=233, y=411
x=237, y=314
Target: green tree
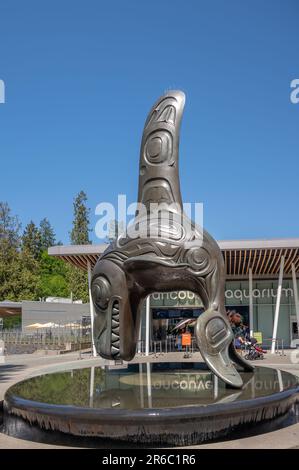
x=31, y=240
x=52, y=280
x=24, y=277
x=80, y=231
x=27, y=272
x=47, y=234
x=77, y=278
x=12, y=322
x=9, y=250
x=9, y=228
x=78, y=283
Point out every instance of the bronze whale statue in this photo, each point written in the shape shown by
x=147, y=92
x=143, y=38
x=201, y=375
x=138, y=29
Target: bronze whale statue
x=170, y=253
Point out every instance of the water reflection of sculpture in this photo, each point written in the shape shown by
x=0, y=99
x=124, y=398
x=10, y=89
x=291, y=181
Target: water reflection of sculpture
x=181, y=256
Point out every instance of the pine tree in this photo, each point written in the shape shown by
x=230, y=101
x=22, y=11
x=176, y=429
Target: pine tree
x=31, y=240
x=24, y=277
x=80, y=231
x=27, y=272
x=77, y=279
x=9, y=250
x=47, y=234
x=18, y=268
x=9, y=228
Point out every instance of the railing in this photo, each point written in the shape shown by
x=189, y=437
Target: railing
x=66, y=339
x=279, y=345
x=74, y=339
x=161, y=347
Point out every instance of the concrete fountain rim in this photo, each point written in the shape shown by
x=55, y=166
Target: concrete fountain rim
x=13, y=404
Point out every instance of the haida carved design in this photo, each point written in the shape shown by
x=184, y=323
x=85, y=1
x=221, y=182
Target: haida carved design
x=171, y=254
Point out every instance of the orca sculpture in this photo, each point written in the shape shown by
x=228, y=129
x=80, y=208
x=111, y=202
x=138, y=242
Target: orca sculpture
x=169, y=253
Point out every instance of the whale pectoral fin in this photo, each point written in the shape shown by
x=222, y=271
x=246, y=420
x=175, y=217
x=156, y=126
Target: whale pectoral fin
x=214, y=337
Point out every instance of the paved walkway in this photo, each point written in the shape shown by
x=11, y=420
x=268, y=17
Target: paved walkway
x=19, y=367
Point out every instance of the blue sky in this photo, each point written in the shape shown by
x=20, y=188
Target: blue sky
x=81, y=77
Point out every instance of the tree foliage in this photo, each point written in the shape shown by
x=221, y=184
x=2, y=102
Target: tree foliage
x=77, y=279
x=27, y=272
x=24, y=277
x=52, y=280
x=80, y=230
x=9, y=227
x=31, y=240
x=78, y=283
x=47, y=234
x=9, y=246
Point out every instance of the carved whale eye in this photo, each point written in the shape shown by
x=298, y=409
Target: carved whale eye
x=200, y=260
x=100, y=292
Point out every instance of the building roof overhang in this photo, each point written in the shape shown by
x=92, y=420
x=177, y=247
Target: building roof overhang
x=262, y=256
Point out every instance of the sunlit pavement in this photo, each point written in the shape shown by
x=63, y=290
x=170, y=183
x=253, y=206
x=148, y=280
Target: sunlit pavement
x=19, y=367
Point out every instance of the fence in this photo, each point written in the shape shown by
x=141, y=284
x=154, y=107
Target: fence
x=279, y=345
x=170, y=345
x=166, y=345
x=64, y=339
x=78, y=337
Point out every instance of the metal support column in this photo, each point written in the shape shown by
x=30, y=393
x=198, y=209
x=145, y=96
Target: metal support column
x=139, y=342
x=295, y=290
x=250, y=302
x=91, y=309
x=91, y=386
x=149, y=384
x=277, y=307
x=147, y=325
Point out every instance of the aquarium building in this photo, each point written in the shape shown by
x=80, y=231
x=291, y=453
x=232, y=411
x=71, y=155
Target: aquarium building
x=261, y=284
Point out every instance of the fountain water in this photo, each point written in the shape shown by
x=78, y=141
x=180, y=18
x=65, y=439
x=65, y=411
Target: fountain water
x=149, y=403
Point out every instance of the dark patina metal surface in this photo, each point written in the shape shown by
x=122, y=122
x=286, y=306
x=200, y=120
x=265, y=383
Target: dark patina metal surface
x=170, y=253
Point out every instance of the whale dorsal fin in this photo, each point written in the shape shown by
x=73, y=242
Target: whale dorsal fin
x=159, y=154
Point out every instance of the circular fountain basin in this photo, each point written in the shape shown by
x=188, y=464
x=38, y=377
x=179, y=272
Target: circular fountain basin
x=151, y=403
